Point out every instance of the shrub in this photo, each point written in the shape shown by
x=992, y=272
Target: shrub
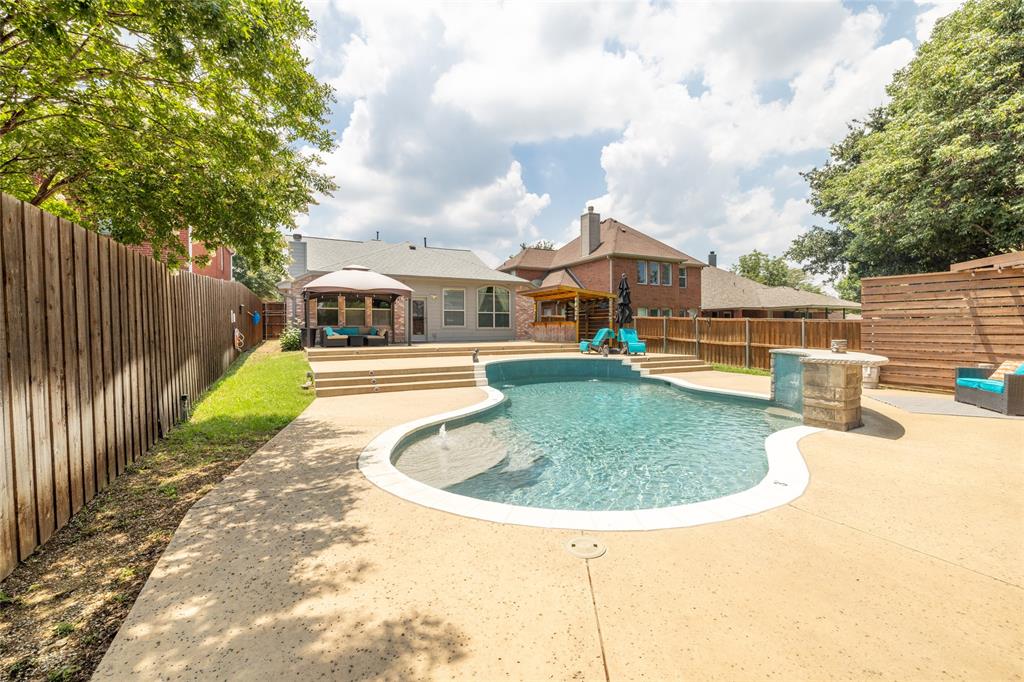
x=291, y=338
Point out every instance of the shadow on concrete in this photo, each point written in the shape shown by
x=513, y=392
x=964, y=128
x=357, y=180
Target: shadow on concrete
x=877, y=425
x=254, y=582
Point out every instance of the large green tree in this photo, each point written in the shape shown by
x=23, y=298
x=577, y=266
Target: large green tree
x=936, y=176
x=774, y=272
x=144, y=117
x=261, y=280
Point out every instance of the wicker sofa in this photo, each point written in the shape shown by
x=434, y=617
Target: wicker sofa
x=1000, y=390
x=352, y=336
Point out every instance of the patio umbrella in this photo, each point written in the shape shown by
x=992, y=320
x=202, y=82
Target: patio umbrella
x=356, y=279
x=623, y=309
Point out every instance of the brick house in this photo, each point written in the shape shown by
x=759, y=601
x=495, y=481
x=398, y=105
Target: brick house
x=663, y=281
x=456, y=296
x=220, y=263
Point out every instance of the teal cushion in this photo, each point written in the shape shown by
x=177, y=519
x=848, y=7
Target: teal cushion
x=373, y=331
x=1020, y=370
x=329, y=331
x=350, y=331
x=990, y=385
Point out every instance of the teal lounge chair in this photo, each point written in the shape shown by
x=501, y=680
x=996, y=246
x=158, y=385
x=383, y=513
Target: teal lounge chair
x=1006, y=394
x=631, y=343
x=603, y=336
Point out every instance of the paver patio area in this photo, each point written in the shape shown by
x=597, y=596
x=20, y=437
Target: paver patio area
x=903, y=560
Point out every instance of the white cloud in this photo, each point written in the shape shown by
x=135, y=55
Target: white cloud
x=440, y=93
x=931, y=12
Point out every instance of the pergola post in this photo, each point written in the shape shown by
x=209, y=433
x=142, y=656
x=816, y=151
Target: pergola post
x=305, y=317
x=576, y=314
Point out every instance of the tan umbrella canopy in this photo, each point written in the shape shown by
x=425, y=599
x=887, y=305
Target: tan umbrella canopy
x=356, y=279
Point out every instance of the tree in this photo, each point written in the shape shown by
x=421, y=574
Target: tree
x=543, y=244
x=143, y=118
x=262, y=280
x=773, y=272
x=936, y=176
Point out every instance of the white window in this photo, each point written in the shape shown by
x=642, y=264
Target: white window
x=666, y=276
x=454, y=307
x=682, y=277
x=492, y=307
x=652, y=273
x=641, y=312
x=641, y=272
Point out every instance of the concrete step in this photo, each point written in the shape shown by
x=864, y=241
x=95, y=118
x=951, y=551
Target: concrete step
x=391, y=372
x=314, y=355
x=395, y=378
x=676, y=369
x=388, y=388
x=658, y=360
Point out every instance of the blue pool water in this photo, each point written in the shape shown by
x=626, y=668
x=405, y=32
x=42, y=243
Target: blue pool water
x=586, y=443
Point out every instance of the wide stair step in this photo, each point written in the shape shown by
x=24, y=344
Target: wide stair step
x=388, y=388
x=385, y=353
x=668, y=364
x=380, y=380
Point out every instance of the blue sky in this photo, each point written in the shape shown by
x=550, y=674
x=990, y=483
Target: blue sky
x=485, y=125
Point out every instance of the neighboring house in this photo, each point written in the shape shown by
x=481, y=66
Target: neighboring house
x=663, y=281
x=218, y=267
x=726, y=294
x=456, y=296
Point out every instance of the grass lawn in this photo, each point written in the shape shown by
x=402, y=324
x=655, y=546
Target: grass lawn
x=60, y=609
x=741, y=370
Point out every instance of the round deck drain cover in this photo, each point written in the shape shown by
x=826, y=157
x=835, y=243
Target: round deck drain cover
x=585, y=547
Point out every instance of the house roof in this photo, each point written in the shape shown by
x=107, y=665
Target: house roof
x=400, y=260
x=725, y=290
x=530, y=258
x=617, y=239
x=562, y=277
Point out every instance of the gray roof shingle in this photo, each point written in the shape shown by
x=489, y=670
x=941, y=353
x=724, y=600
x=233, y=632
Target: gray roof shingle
x=398, y=260
x=725, y=290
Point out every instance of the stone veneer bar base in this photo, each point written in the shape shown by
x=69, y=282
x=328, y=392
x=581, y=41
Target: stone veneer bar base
x=832, y=385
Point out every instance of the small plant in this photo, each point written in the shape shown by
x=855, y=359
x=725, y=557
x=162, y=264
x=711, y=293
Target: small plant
x=291, y=338
x=7, y=600
x=62, y=674
x=126, y=574
x=169, y=491
x=63, y=629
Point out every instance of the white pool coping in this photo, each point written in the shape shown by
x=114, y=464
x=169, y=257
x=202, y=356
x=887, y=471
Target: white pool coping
x=786, y=480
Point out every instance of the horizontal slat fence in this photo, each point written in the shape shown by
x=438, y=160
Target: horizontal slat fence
x=742, y=342
x=97, y=344
x=930, y=324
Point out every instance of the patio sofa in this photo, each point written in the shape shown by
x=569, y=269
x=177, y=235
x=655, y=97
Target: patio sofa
x=1001, y=390
x=332, y=337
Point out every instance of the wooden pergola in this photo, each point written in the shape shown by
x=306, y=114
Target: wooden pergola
x=587, y=305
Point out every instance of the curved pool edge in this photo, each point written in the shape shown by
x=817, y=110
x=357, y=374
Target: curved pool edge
x=786, y=480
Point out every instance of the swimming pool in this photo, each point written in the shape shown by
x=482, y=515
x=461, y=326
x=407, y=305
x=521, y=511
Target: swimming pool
x=588, y=443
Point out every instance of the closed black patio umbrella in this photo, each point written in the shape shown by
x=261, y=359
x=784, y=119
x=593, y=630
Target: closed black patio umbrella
x=623, y=309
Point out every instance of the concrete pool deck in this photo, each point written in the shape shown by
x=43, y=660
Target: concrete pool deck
x=903, y=560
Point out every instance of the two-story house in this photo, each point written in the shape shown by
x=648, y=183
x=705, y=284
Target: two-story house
x=664, y=282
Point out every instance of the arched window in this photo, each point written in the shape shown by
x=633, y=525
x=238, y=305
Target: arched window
x=493, y=307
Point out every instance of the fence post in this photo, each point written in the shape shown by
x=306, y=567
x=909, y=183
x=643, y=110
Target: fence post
x=746, y=349
x=696, y=334
x=664, y=335
x=803, y=332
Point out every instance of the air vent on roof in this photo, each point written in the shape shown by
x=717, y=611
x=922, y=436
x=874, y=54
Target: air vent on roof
x=412, y=247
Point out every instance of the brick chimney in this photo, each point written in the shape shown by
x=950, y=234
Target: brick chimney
x=590, y=231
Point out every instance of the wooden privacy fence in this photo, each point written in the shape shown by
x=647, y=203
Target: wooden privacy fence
x=742, y=342
x=930, y=324
x=97, y=346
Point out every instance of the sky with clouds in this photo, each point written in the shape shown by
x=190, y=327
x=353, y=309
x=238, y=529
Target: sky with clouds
x=486, y=125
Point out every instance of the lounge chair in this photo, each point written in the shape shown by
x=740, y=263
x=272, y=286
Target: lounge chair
x=1001, y=390
x=332, y=338
x=603, y=336
x=631, y=343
